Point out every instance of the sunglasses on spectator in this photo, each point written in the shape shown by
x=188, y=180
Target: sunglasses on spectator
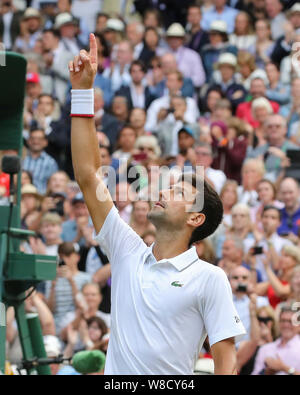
x=265, y=320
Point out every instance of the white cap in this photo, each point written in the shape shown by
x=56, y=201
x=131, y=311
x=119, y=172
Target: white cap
x=259, y=74
x=294, y=9
x=63, y=19
x=31, y=13
x=176, y=30
x=218, y=26
x=115, y=24
x=227, y=58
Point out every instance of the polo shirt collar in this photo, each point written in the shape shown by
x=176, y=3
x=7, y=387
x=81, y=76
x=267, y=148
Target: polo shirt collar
x=180, y=262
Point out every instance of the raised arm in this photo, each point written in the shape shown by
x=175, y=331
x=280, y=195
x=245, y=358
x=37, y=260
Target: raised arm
x=84, y=143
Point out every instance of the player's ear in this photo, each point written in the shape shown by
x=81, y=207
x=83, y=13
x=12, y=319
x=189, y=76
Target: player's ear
x=196, y=219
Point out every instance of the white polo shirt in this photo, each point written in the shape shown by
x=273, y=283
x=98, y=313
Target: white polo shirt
x=162, y=310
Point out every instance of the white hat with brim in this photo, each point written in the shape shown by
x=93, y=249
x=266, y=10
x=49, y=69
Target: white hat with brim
x=176, y=30
x=115, y=24
x=31, y=13
x=228, y=59
x=29, y=189
x=218, y=26
x=64, y=19
x=293, y=10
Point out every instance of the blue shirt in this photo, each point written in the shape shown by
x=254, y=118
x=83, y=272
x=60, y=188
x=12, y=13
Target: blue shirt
x=289, y=223
x=228, y=15
x=41, y=169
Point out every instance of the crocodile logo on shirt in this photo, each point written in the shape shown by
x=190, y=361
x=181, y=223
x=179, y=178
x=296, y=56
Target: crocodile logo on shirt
x=176, y=284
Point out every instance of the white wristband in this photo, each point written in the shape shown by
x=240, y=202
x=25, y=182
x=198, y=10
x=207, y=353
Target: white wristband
x=82, y=103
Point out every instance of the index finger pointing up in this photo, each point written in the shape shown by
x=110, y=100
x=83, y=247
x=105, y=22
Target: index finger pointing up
x=93, y=49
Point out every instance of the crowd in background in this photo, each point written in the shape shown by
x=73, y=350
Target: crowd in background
x=210, y=83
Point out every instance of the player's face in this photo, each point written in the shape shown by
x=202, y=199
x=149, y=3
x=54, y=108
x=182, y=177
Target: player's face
x=172, y=209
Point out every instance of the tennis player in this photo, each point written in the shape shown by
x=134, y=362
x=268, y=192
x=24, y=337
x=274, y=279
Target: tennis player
x=165, y=301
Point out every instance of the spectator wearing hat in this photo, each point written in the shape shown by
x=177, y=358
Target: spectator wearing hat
x=188, y=61
x=61, y=294
x=274, y=9
x=258, y=89
x=9, y=24
x=31, y=25
x=158, y=108
x=197, y=36
x=67, y=27
x=38, y=162
x=218, y=44
x=30, y=207
x=33, y=91
x=137, y=94
x=227, y=79
x=56, y=58
x=220, y=12
x=114, y=34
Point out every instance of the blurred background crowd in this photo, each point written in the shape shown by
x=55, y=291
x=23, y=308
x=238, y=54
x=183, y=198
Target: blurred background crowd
x=210, y=83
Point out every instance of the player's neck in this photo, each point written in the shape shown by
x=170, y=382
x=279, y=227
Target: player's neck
x=169, y=245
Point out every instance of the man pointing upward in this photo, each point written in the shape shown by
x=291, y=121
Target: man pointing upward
x=165, y=301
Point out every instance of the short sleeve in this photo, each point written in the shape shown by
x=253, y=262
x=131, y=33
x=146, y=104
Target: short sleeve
x=116, y=238
x=220, y=317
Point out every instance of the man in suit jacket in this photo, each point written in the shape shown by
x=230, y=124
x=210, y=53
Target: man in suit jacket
x=9, y=23
x=136, y=93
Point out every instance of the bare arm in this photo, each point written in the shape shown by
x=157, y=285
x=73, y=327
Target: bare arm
x=281, y=290
x=102, y=275
x=84, y=143
x=45, y=315
x=224, y=356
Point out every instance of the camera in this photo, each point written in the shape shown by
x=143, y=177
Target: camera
x=241, y=288
x=257, y=250
x=61, y=263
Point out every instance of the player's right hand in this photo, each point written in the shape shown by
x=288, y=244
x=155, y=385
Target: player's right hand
x=83, y=68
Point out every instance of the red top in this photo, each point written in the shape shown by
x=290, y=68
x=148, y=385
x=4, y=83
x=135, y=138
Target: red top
x=4, y=182
x=244, y=111
x=273, y=299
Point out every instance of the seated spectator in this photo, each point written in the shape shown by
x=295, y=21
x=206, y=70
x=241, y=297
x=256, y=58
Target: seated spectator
x=242, y=289
x=114, y=34
x=105, y=122
x=229, y=198
x=56, y=57
x=204, y=157
x=10, y=24
x=37, y=161
x=168, y=64
x=139, y=221
x=118, y=73
x=152, y=46
x=73, y=229
x=274, y=9
x=220, y=12
x=274, y=151
x=263, y=331
x=61, y=292
x=186, y=138
x=261, y=110
x=50, y=230
x=123, y=201
x=30, y=205
x=242, y=37
x=290, y=215
x=229, y=147
x=266, y=196
x=136, y=94
x=197, y=36
x=267, y=240
x=290, y=111
x=277, y=287
x=205, y=250
x=66, y=25
x=57, y=183
x=276, y=90
x=246, y=66
x=253, y=171
x=137, y=121
x=168, y=128
x=120, y=109
x=103, y=52
x=280, y=356
x=188, y=61
x=174, y=84
x=288, y=71
x=218, y=44
x=293, y=297
x=125, y=143
x=258, y=89
x=30, y=31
